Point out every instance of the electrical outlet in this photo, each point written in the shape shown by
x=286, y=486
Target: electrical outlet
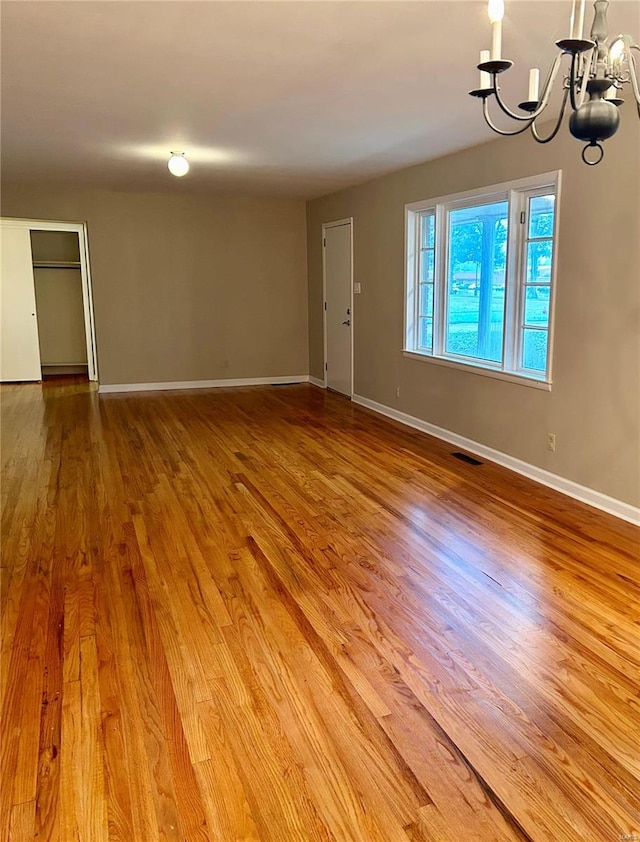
x=551, y=442
x=398, y=391
x=357, y=289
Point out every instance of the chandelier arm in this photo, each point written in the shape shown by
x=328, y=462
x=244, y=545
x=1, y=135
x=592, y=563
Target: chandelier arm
x=491, y=124
x=628, y=42
x=544, y=101
x=573, y=80
x=556, y=129
x=633, y=74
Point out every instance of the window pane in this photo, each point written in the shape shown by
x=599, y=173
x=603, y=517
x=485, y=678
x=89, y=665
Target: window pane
x=426, y=299
x=536, y=306
x=541, y=210
x=477, y=265
x=534, y=349
x=428, y=225
x=427, y=265
x=425, y=339
x=539, y=254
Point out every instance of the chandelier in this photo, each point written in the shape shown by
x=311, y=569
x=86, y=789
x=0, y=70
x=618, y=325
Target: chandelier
x=598, y=69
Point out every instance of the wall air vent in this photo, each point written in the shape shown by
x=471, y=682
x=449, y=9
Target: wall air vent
x=463, y=457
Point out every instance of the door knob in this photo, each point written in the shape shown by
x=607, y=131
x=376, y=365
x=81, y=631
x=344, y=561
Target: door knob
x=347, y=322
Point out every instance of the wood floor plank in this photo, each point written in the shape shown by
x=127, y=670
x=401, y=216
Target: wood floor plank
x=48, y=772
x=94, y=807
x=182, y=740
x=141, y=801
x=268, y=615
x=227, y=808
x=273, y=781
x=22, y=824
x=71, y=809
x=332, y=716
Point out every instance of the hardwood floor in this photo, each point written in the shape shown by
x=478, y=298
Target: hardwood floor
x=267, y=614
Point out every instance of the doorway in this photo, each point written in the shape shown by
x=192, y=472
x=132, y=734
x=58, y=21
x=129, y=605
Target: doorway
x=47, y=306
x=337, y=253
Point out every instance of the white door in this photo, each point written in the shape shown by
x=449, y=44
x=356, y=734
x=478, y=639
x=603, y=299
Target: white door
x=19, y=349
x=338, y=307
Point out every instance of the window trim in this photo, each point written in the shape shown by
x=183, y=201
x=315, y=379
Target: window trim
x=517, y=193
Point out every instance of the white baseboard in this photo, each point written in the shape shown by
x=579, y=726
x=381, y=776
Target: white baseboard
x=64, y=368
x=572, y=489
x=315, y=382
x=202, y=384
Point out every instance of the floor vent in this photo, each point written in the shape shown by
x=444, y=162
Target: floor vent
x=463, y=457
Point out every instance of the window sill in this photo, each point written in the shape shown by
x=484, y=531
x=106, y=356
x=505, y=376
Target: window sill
x=521, y=380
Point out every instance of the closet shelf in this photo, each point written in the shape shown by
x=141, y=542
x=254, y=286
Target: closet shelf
x=56, y=264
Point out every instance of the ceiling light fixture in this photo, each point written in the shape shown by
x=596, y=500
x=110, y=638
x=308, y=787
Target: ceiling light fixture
x=178, y=164
x=597, y=73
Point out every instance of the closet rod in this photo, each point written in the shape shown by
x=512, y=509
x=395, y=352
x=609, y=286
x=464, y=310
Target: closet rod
x=56, y=264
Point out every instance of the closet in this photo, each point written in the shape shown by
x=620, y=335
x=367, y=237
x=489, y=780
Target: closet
x=46, y=314
x=58, y=288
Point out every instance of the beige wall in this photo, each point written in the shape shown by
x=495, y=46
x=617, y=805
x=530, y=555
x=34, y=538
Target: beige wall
x=55, y=246
x=60, y=316
x=188, y=288
x=594, y=406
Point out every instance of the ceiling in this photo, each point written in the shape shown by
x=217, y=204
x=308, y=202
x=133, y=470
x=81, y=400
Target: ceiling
x=294, y=98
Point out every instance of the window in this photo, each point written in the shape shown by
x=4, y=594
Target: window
x=480, y=270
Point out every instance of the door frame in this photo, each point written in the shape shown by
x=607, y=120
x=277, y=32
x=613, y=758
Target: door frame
x=325, y=226
x=80, y=229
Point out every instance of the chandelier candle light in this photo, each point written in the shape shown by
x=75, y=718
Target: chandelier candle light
x=598, y=70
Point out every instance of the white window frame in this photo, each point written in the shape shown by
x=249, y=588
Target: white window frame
x=517, y=193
